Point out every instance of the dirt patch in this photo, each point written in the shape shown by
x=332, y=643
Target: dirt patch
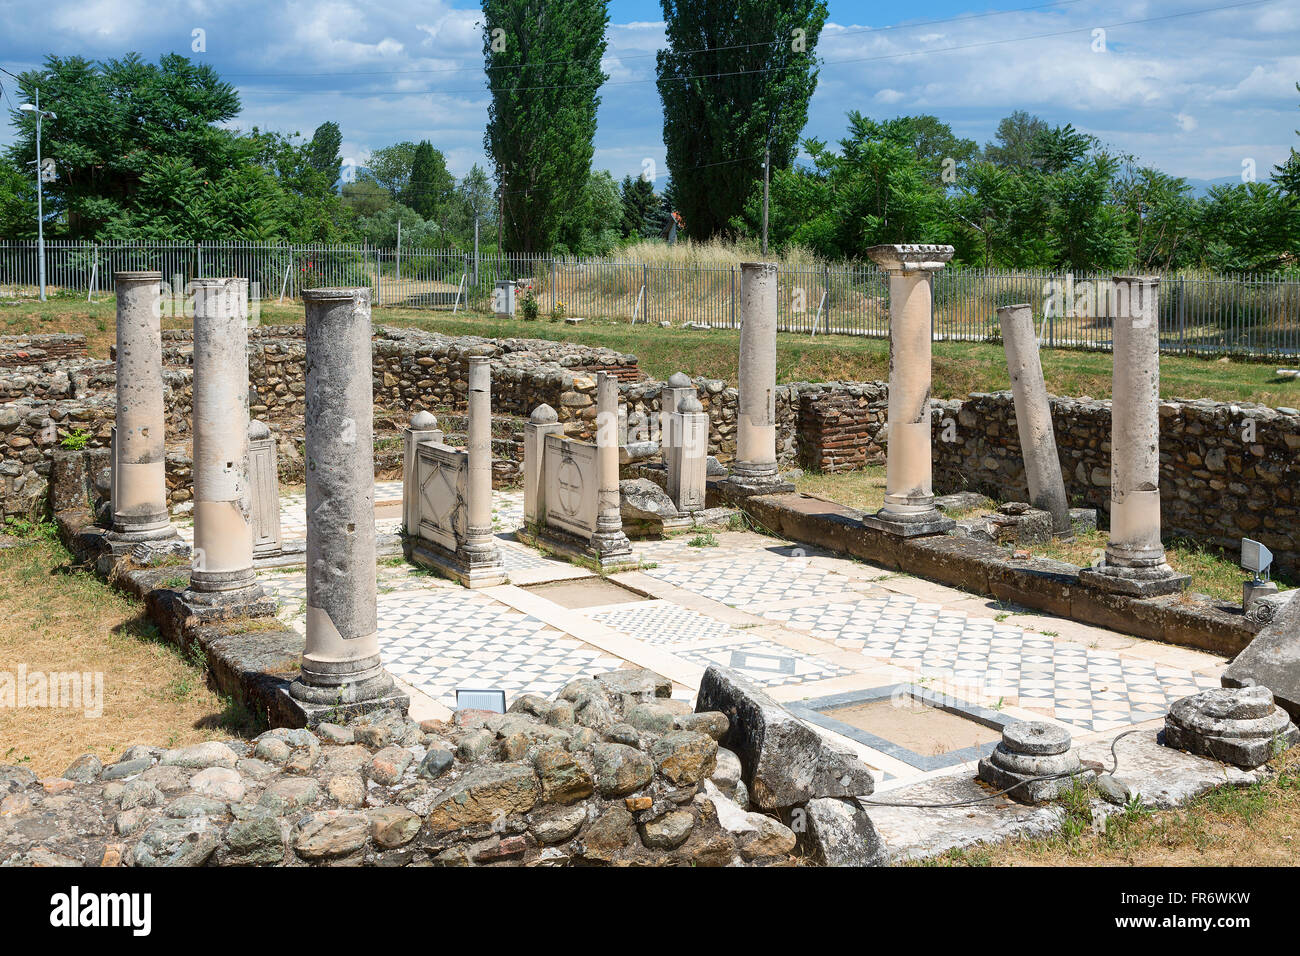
x=585, y=592
x=922, y=729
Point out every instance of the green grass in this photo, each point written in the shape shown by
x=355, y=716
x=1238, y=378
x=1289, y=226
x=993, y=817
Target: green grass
x=959, y=367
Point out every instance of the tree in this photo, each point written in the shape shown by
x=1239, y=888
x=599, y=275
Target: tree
x=1015, y=136
x=543, y=70
x=390, y=168
x=1287, y=173
x=430, y=186
x=323, y=153
x=641, y=216
x=124, y=125
x=365, y=197
x=1248, y=226
x=590, y=226
x=17, y=203
x=736, y=79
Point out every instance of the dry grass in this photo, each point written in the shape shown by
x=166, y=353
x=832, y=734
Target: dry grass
x=864, y=490
x=1257, y=825
x=959, y=367
x=60, y=619
x=715, y=253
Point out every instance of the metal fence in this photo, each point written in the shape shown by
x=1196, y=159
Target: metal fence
x=1200, y=313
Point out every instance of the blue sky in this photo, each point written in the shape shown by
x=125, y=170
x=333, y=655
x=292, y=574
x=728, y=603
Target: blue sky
x=1195, y=95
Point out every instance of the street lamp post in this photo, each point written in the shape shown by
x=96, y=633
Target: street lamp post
x=40, y=209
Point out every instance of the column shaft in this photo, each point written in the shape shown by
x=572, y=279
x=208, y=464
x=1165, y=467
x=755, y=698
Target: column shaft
x=756, y=401
x=908, y=487
x=140, y=493
x=223, y=533
x=609, y=516
x=1135, y=428
x=1034, y=416
x=341, y=657
x=478, y=531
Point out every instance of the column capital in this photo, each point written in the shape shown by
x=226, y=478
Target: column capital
x=910, y=257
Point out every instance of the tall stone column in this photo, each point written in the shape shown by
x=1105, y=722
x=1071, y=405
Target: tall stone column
x=1135, y=557
x=140, y=490
x=478, y=553
x=223, y=530
x=909, y=493
x=340, y=662
x=754, y=471
x=609, y=545
x=1034, y=417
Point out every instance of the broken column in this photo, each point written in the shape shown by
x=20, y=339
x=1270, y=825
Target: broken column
x=1033, y=762
x=687, y=467
x=754, y=472
x=609, y=545
x=223, y=531
x=423, y=427
x=541, y=423
x=1034, y=417
x=678, y=387
x=478, y=553
x=1241, y=726
x=909, y=495
x=340, y=662
x=1135, y=557
x=264, y=485
x=140, y=487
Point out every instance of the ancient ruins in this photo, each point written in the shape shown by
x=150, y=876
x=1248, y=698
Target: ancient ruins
x=530, y=608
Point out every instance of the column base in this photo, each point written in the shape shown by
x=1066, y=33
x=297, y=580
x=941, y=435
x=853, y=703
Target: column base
x=741, y=484
x=210, y=606
x=611, y=549
x=615, y=556
x=1135, y=582
x=154, y=546
x=316, y=705
x=474, y=569
x=910, y=525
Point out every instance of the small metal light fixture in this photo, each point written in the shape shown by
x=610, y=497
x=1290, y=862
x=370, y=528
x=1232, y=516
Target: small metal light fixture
x=1256, y=559
x=489, y=699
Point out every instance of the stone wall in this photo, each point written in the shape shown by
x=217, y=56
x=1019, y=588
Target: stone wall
x=1216, y=485
x=34, y=349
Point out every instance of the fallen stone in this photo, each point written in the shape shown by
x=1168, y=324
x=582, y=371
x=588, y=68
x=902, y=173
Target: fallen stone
x=839, y=833
x=620, y=769
x=1272, y=660
x=784, y=762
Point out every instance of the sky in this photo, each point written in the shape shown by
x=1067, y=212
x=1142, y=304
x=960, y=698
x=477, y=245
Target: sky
x=1187, y=86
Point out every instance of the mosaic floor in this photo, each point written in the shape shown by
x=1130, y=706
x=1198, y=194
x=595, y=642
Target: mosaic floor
x=805, y=626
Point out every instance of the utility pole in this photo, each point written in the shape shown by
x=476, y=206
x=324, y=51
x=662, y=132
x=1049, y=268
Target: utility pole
x=501, y=215
x=767, y=165
x=40, y=208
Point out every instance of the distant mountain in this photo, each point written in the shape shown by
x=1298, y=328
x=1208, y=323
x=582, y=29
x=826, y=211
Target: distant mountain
x=1202, y=186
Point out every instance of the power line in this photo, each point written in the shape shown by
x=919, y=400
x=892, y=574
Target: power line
x=640, y=56
x=865, y=59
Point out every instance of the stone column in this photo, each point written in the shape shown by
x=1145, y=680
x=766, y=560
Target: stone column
x=754, y=472
x=340, y=662
x=223, y=530
x=1135, y=557
x=670, y=397
x=541, y=423
x=423, y=427
x=609, y=545
x=1034, y=417
x=478, y=552
x=140, y=490
x=909, y=494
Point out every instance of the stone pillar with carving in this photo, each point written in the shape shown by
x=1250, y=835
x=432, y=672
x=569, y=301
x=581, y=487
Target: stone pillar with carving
x=264, y=482
x=542, y=422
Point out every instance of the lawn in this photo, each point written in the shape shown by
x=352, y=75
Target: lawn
x=63, y=619
x=959, y=367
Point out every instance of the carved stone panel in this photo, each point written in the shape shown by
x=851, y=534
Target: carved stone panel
x=442, y=475
x=571, y=485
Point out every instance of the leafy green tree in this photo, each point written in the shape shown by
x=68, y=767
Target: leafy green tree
x=124, y=124
x=1287, y=174
x=641, y=218
x=1000, y=217
x=1248, y=226
x=1015, y=137
x=365, y=197
x=543, y=71
x=17, y=203
x=1085, y=229
x=390, y=167
x=431, y=186
x=1159, y=216
x=735, y=79
x=323, y=153
x=590, y=226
